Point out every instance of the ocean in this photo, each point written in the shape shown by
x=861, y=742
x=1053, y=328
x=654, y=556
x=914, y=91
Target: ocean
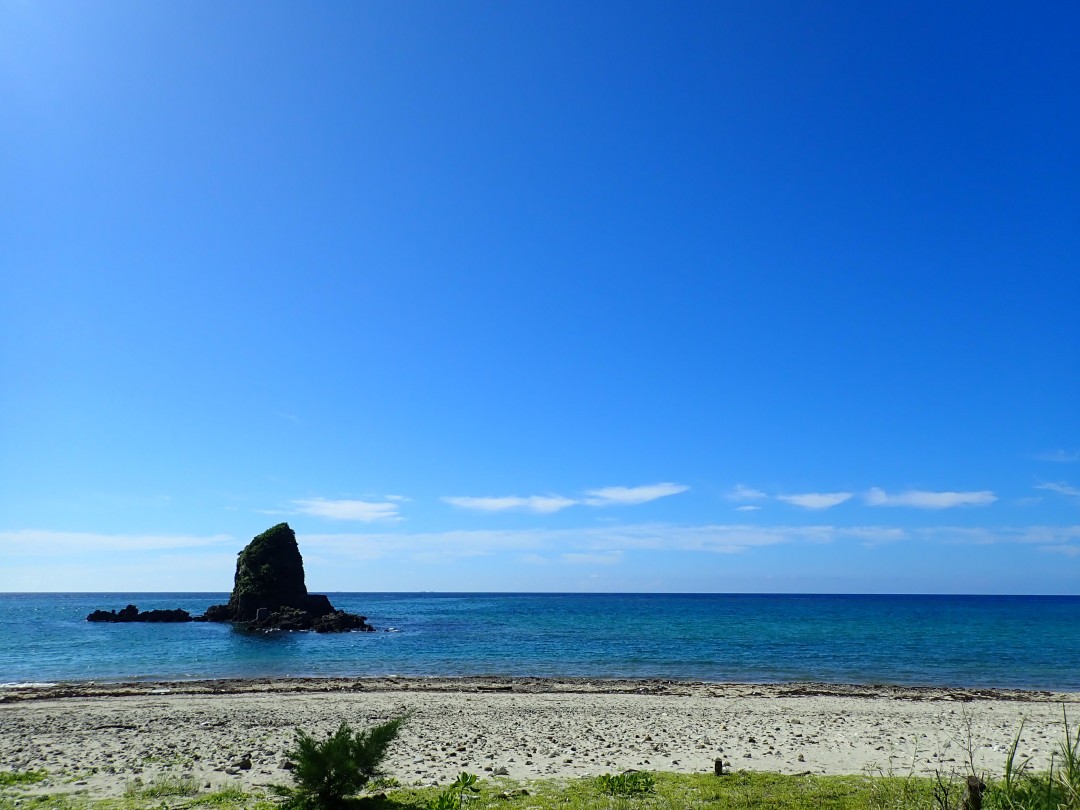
x=1023, y=642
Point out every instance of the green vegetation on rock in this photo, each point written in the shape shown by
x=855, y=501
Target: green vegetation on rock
x=269, y=572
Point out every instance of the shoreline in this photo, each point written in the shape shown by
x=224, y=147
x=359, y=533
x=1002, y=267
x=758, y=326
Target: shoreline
x=99, y=738
x=18, y=692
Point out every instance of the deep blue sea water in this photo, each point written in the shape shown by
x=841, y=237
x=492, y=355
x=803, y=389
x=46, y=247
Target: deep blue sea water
x=976, y=641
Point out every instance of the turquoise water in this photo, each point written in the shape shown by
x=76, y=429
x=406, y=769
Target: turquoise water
x=977, y=641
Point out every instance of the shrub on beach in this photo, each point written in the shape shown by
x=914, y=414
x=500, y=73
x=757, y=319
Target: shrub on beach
x=328, y=772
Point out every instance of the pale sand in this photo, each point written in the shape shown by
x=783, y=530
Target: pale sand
x=527, y=728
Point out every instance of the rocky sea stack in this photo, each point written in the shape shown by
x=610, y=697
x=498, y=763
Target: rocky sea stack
x=268, y=593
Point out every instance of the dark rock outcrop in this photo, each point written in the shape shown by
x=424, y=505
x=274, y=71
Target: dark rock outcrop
x=132, y=614
x=269, y=592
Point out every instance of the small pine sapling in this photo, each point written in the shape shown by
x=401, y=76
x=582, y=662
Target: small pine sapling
x=326, y=773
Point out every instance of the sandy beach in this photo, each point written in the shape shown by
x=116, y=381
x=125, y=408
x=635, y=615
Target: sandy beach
x=100, y=737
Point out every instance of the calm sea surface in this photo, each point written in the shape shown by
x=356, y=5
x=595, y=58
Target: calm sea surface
x=987, y=641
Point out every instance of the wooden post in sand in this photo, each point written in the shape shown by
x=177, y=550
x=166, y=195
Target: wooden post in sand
x=718, y=766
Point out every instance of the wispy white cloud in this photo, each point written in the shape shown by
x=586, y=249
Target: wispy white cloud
x=609, y=558
x=748, y=507
x=1059, y=456
x=1044, y=534
x=542, y=504
x=712, y=538
x=560, y=545
x=593, y=545
x=347, y=509
x=922, y=499
x=816, y=500
x=988, y=536
x=741, y=492
x=545, y=504
x=42, y=542
x=1061, y=488
x=626, y=496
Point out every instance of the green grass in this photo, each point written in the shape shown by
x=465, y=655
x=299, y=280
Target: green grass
x=736, y=791
x=166, y=787
x=9, y=778
x=742, y=791
x=225, y=797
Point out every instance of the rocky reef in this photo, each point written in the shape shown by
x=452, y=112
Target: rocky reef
x=269, y=593
x=132, y=614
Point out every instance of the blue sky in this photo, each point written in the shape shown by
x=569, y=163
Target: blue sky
x=541, y=296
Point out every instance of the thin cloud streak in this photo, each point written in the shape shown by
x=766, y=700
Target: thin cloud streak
x=922, y=499
x=741, y=492
x=1061, y=488
x=661, y=537
x=612, y=558
x=627, y=496
x=719, y=539
x=361, y=511
x=42, y=542
x=541, y=504
x=546, y=504
x=553, y=545
x=816, y=500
